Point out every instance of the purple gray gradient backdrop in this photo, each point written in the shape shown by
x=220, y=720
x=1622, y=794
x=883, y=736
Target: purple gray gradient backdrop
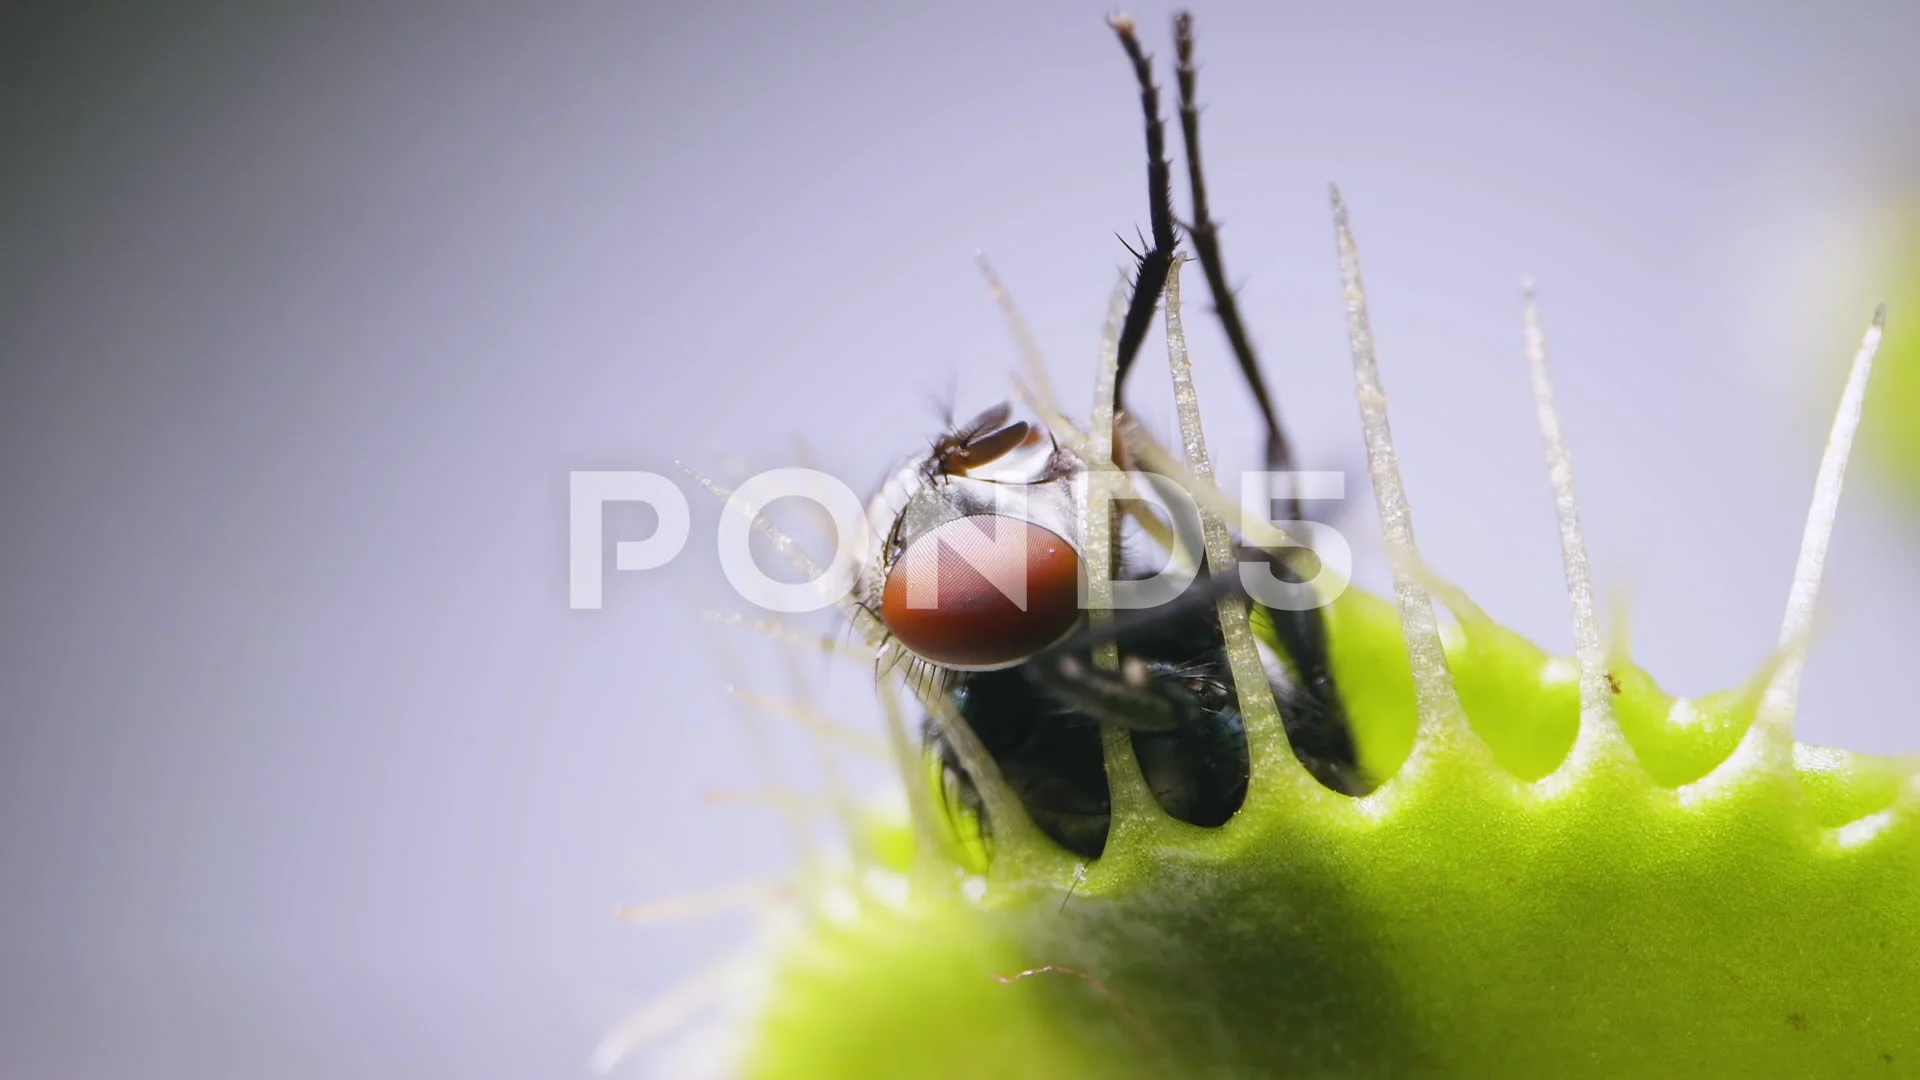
x=307, y=770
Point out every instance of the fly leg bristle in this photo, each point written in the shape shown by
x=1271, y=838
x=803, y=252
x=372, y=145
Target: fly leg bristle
x=1774, y=722
x=1600, y=737
x=1442, y=721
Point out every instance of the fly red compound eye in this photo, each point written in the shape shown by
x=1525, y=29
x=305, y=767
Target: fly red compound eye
x=946, y=596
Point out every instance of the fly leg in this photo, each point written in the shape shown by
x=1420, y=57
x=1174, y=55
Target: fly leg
x=1318, y=724
x=1129, y=698
x=1150, y=275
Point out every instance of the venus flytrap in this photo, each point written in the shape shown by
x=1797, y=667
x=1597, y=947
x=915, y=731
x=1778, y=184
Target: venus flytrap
x=1558, y=869
x=1564, y=871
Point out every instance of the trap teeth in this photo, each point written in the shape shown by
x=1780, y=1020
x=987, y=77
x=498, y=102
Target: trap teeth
x=1441, y=718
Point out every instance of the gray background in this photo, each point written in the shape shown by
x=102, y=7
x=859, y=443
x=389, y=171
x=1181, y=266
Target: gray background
x=305, y=315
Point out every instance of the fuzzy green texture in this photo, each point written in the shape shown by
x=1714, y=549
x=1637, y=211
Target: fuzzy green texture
x=1713, y=901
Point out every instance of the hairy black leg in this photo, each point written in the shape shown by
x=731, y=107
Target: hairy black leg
x=1206, y=246
x=1205, y=235
x=1302, y=634
x=1150, y=277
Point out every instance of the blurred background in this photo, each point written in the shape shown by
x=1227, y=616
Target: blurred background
x=306, y=313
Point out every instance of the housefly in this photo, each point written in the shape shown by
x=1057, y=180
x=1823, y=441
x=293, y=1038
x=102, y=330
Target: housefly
x=995, y=500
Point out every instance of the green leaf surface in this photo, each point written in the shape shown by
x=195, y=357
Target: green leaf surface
x=1715, y=901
